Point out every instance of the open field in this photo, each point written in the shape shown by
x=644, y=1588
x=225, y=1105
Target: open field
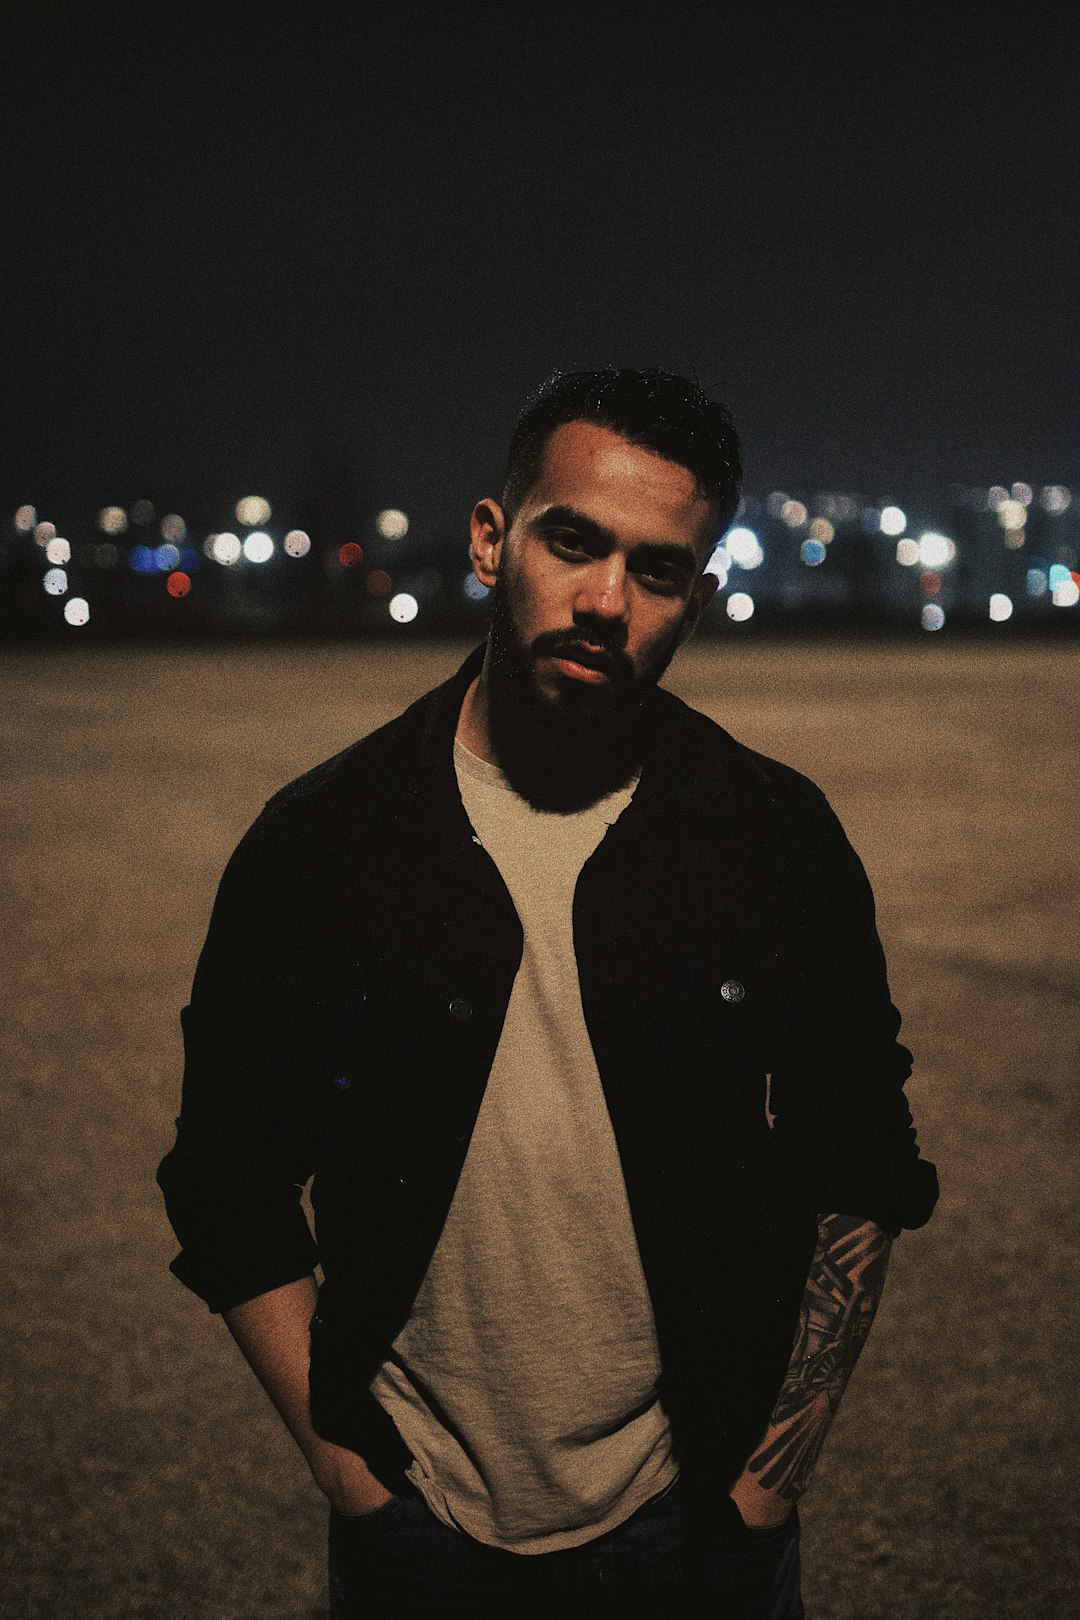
x=144, y=1475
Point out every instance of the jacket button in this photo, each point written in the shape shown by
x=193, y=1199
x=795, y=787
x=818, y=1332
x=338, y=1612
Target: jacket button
x=460, y=1008
x=732, y=990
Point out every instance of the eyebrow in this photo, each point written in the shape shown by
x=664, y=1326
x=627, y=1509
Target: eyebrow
x=683, y=558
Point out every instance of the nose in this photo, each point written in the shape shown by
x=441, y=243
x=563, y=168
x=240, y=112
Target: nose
x=602, y=593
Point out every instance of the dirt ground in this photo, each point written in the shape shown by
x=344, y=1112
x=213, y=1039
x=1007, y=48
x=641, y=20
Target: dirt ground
x=144, y=1474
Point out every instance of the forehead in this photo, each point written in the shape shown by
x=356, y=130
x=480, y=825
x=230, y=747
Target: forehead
x=633, y=491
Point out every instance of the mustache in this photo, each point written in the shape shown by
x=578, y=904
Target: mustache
x=599, y=648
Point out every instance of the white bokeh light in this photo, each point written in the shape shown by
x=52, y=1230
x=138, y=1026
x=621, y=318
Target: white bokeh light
x=740, y=607
x=225, y=548
x=77, y=610
x=744, y=548
x=1067, y=594
x=297, y=543
x=933, y=617
x=893, y=520
x=392, y=523
x=251, y=510
x=58, y=551
x=54, y=582
x=907, y=553
x=258, y=547
x=936, y=550
x=404, y=607
x=1000, y=607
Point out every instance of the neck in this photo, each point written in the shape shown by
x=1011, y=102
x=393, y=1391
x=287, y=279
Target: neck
x=472, y=729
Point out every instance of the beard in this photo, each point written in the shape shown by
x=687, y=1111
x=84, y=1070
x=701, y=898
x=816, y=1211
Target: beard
x=562, y=753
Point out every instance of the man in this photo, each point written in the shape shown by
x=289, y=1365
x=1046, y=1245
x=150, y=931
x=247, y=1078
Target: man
x=576, y=1012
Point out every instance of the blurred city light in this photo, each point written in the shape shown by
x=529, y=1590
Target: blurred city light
x=258, y=547
x=1056, y=499
x=1067, y=594
x=112, y=520
x=44, y=532
x=404, y=607
x=821, y=529
x=173, y=527
x=296, y=543
x=54, y=582
x=476, y=590
x=142, y=512
x=1000, y=607
x=141, y=560
x=740, y=607
x=379, y=583
x=933, y=617
x=813, y=553
x=251, y=510
x=178, y=584
x=224, y=548
x=166, y=557
x=1022, y=492
x=1012, y=514
x=936, y=550
x=77, y=610
x=794, y=514
x=350, y=554
x=1037, y=582
x=392, y=524
x=744, y=548
x=58, y=551
x=25, y=518
x=907, y=553
x=995, y=495
x=893, y=520
x=775, y=503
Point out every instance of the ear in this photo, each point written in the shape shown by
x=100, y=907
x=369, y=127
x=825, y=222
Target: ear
x=487, y=527
x=701, y=595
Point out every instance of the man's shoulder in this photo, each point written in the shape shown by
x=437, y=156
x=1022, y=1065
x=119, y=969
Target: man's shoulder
x=716, y=762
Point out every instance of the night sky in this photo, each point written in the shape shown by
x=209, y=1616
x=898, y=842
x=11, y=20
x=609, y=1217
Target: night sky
x=282, y=248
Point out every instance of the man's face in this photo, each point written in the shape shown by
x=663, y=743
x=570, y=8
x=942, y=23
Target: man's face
x=596, y=582
x=598, y=578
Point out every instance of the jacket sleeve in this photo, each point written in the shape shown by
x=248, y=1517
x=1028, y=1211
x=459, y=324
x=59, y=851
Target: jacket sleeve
x=841, y=1118
x=233, y=1180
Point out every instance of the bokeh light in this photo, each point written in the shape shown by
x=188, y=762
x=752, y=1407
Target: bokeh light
x=1067, y=594
x=112, y=520
x=907, y=553
x=1056, y=499
x=251, y=510
x=392, y=524
x=173, y=527
x=44, y=532
x=166, y=557
x=25, y=518
x=936, y=550
x=77, y=610
x=476, y=590
x=1000, y=607
x=775, y=503
x=930, y=582
x=296, y=543
x=142, y=513
x=821, y=529
x=258, y=546
x=1036, y=583
x=350, y=554
x=744, y=548
x=1011, y=514
x=740, y=607
x=54, y=582
x=813, y=553
x=794, y=514
x=58, y=551
x=1022, y=492
x=379, y=583
x=893, y=520
x=225, y=548
x=404, y=608
x=933, y=617
x=178, y=583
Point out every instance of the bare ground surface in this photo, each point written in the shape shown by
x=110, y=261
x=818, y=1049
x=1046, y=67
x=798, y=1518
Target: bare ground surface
x=143, y=1472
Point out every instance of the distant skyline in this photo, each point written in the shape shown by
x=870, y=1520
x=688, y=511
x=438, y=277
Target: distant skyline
x=273, y=255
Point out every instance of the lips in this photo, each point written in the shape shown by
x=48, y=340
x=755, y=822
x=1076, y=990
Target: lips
x=582, y=662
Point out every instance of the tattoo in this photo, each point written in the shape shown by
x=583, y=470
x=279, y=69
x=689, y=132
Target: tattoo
x=843, y=1288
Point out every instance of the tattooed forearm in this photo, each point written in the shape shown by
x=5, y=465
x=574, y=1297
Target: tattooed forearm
x=842, y=1293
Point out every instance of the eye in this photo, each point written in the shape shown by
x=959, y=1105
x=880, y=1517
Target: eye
x=569, y=545
x=660, y=577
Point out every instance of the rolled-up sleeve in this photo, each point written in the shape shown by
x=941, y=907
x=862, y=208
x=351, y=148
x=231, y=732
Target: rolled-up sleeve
x=842, y=1119
x=233, y=1180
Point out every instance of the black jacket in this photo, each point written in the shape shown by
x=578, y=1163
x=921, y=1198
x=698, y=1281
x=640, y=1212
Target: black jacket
x=348, y=1003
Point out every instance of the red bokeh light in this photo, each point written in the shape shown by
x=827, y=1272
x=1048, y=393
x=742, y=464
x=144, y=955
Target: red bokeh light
x=350, y=554
x=178, y=584
x=379, y=583
x=930, y=582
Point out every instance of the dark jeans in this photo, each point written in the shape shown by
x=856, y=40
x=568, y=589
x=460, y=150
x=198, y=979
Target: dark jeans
x=400, y=1561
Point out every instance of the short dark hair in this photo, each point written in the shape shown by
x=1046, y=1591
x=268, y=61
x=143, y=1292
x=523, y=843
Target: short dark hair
x=657, y=410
